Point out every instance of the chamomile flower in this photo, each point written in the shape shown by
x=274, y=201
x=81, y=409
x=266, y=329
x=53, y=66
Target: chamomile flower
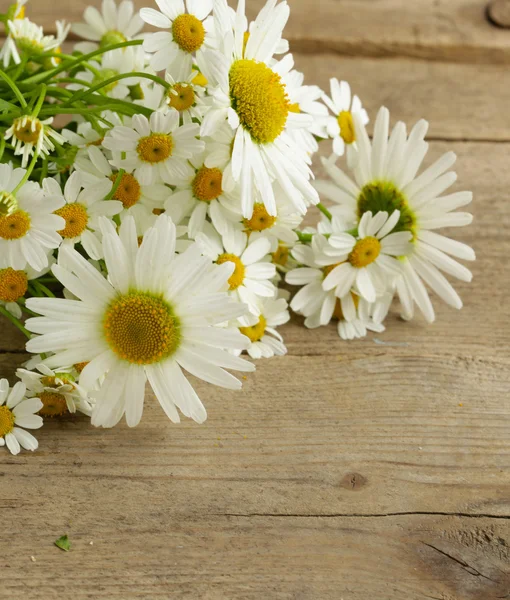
x=252, y=273
x=57, y=390
x=249, y=92
x=202, y=196
x=368, y=261
x=28, y=227
x=265, y=340
x=30, y=39
x=186, y=32
x=81, y=212
x=17, y=413
x=98, y=176
x=344, y=106
x=184, y=95
x=386, y=179
x=28, y=134
x=14, y=285
x=155, y=315
x=113, y=25
x=156, y=149
x=8, y=51
x=84, y=136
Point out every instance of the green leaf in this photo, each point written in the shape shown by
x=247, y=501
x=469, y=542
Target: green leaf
x=63, y=543
x=4, y=105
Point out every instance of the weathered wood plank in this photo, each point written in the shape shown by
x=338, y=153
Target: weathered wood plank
x=452, y=30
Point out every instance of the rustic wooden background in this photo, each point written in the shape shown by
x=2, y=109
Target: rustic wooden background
x=343, y=471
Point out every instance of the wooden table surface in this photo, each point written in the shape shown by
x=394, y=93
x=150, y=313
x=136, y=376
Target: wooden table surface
x=342, y=471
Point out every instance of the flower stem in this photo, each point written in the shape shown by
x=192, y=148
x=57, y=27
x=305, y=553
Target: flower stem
x=14, y=321
x=14, y=88
x=304, y=237
x=324, y=211
x=116, y=184
x=27, y=174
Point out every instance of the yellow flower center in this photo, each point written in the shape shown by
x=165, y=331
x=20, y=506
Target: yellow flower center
x=129, y=191
x=365, y=252
x=13, y=284
x=6, y=421
x=295, y=108
x=384, y=196
x=141, y=328
x=28, y=129
x=51, y=380
x=155, y=148
x=21, y=13
x=54, y=405
x=207, y=184
x=281, y=256
x=15, y=225
x=112, y=37
x=237, y=277
x=8, y=204
x=346, y=123
x=181, y=97
x=259, y=98
x=260, y=219
x=29, y=45
x=76, y=218
x=255, y=332
x=338, y=313
x=188, y=32
x=200, y=79
x=80, y=366
x=327, y=270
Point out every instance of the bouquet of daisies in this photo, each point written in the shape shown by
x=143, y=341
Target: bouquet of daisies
x=153, y=187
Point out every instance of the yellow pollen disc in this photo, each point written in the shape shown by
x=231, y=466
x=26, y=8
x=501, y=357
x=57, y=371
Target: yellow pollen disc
x=295, y=108
x=140, y=240
x=255, y=332
x=327, y=270
x=281, y=256
x=200, y=79
x=129, y=191
x=21, y=14
x=96, y=143
x=365, y=252
x=28, y=129
x=346, y=123
x=259, y=98
x=51, y=380
x=181, y=97
x=141, y=328
x=188, y=32
x=112, y=37
x=13, y=284
x=338, y=313
x=237, y=277
x=14, y=226
x=260, y=219
x=76, y=219
x=54, y=405
x=207, y=184
x=158, y=211
x=6, y=421
x=80, y=366
x=155, y=148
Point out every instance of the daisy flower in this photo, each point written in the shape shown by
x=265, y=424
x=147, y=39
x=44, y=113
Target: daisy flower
x=184, y=95
x=28, y=227
x=28, y=134
x=187, y=32
x=30, y=38
x=113, y=25
x=367, y=261
x=386, y=179
x=57, y=390
x=17, y=413
x=156, y=149
x=8, y=50
x=265, y=340
x=354, y=315
x=99, y=177
x=249, y=92
x=155, y=315
x=344, y=106
x=84, y=136
x=252, y=273
x=81, y=212
x=14, y=285
x=202, y=196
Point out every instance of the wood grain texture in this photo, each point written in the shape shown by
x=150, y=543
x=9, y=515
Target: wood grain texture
x=452, y=30
x=371, y=470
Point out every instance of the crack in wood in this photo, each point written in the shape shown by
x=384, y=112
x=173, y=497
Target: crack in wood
x=464, y=565
x=364, y=515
